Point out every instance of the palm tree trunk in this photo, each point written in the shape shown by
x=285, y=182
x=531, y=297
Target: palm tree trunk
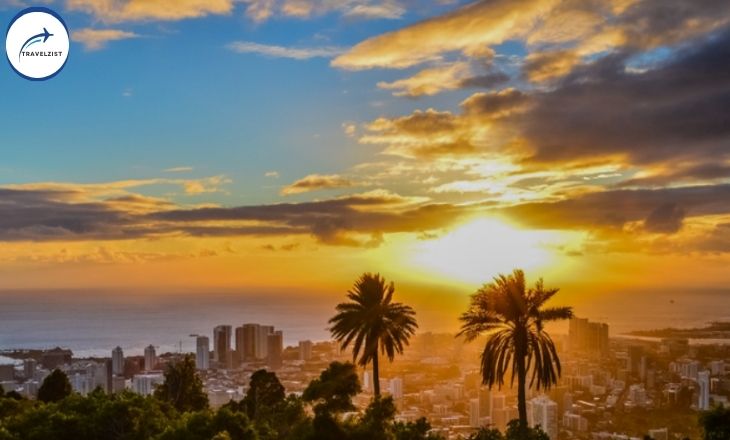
x=520, y=355
x=521, y=397
x=376, y=375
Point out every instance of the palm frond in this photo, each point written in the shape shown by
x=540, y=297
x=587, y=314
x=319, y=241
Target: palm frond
x=555, y=313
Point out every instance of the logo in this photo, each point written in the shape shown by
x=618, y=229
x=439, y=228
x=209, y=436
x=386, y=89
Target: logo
x=37, y=44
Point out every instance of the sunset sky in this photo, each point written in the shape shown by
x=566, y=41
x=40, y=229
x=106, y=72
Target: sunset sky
x=298, y=143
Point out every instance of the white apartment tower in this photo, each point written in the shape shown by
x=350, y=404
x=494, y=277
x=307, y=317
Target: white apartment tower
x=118, y=361
x=474, y=413
x=396, y=388
x=305, y=350
x=262, y=341
x=703, y=380
x=150, y=358
x=202, y=353
x=544, y=412
x=222, y=345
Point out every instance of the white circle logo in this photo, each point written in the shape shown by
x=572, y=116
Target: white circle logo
x=37, y=44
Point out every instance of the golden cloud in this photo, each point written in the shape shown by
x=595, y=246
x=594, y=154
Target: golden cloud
x=430, y=81
x=114, y=11
x=317, y=182
x=95, y=39
x=472, y=26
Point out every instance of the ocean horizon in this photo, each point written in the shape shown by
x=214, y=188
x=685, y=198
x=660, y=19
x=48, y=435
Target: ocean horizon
x=92, y=324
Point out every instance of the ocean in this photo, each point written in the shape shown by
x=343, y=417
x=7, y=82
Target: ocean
x=92, y=323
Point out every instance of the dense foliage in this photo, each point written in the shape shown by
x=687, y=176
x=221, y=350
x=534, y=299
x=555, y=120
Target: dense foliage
x=178, y=410
x=183, y=388
x=266, y=414
x=55, y=387
x=716, y=423
x=513, y=433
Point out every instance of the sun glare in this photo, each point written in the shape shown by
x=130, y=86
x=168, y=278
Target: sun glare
x=482, y=248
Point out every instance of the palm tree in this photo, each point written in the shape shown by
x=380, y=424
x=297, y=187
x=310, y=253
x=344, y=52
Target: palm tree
x=512, y=316
x=373, y=323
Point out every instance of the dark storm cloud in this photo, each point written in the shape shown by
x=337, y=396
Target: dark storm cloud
x=38, y=215
x=676, y=111
x=486, y=81
x=667, y=218
x=48, y=215
x=494, y=104
x=664, y=22
x=330, y=221
x=612, y=209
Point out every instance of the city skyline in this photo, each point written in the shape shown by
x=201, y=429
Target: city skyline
x=619, y=374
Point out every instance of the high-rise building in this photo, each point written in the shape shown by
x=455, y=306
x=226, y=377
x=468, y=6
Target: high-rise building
x=239, y=346
x=150, y=358
x=29, y=366
x=262, y=340
x=474, y=413
x=118, y=384
x=145, y=384
x=584, y=335
x=249, y=342
x=202, y=353
x=118, y=361
x=275, y=349
x=222, y=345
x=109, y=376
x=305, y=350
x=543, y=412
x=7, y=372
x=636, y=352
x=703, y=380
x=81, y=383
x=499, y=411
x=396, y=388
x=485, y=401
x=98, y=375
x=367, y=385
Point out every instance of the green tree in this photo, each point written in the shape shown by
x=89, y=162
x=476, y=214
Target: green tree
x=418, y=430
x=333, y=391
x=715, y=423
x=13, y=395
x=373, y=323
x=376, y=422
x=264, y=393
x=207, y=425
x=331, y=394
x=513, y=317
x=182, y=387
x=487, y=434
x=55, y=387
x=515, y=431
x=290, y=419
x=128, y=416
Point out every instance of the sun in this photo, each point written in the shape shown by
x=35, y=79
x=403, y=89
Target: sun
x=482, y=248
